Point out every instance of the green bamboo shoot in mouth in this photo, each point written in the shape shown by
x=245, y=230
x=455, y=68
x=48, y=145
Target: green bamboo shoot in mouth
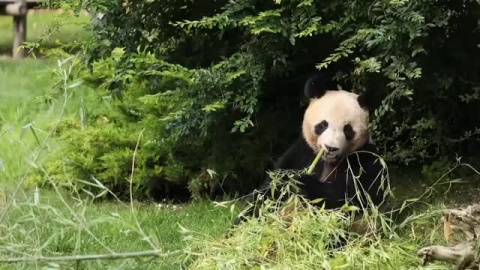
x=315, y=161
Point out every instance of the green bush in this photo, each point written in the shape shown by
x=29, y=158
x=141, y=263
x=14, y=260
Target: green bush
x=172, y=159
x=217, y=85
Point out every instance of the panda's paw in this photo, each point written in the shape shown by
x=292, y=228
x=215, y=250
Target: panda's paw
x=238, y=220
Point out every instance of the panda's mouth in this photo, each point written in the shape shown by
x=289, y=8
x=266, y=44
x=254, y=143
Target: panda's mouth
x=329, y=158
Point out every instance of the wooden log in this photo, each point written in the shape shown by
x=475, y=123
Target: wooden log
x=464, y=254
x=19, y=29
x=15, y=9
x=20, y=34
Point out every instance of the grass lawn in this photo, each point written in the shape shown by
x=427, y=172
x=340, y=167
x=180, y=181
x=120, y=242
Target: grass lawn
x=39, y=24
x=20, y=83
x=58, y=231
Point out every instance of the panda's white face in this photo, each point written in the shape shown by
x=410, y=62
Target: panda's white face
x=336, y=123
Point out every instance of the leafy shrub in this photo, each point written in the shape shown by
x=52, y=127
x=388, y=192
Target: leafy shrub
x=213, y=84
x=98, y=144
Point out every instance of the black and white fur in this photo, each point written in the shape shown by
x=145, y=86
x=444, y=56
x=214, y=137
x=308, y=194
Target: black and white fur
x=336, y=121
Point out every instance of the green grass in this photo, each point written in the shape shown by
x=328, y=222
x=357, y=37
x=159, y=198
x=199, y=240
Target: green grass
x=49, y=224
x=40, y=24
x=28, y=226
x=21, y=82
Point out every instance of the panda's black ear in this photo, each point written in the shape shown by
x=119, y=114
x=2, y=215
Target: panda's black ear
x=316, y=86
x=364, y=101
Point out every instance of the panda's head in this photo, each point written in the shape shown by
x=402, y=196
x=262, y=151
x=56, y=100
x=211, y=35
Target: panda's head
x=335, y=120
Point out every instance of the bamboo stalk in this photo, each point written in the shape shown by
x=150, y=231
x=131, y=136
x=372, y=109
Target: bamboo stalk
x=108, y=256
x=315, y=161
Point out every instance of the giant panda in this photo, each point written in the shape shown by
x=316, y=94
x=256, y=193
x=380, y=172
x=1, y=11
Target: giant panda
x=338, y=122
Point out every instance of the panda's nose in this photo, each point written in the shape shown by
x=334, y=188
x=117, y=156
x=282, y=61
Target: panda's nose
x=330, y=149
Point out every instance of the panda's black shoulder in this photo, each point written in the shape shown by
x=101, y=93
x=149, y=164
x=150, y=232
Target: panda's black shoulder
x=296, y=157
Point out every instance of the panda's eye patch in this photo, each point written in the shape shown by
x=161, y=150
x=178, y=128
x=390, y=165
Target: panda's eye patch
x=320, y=128
x=349, y=132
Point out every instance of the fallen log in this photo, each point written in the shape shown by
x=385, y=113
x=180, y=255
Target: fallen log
x=463, y=254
